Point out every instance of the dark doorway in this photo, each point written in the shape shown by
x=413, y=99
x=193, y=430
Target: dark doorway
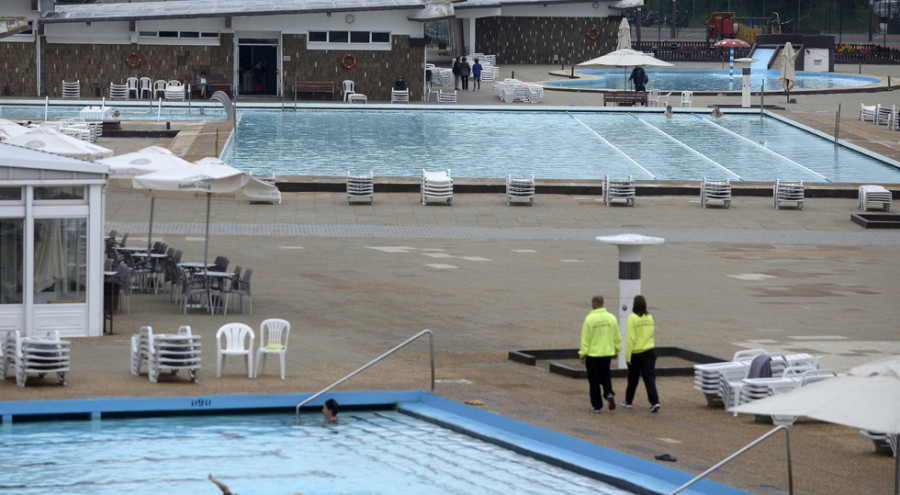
x=258, y=69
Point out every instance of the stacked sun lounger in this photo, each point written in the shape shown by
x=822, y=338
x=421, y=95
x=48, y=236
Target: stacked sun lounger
x=437, y=186
x=172, y=352
x=715, y=190
x=790, y=192
x=618, y=189
x=874, y=194
x=360, y=187
x=792, y=377
x=31, y=355
x=719, y=382
x=520, y=189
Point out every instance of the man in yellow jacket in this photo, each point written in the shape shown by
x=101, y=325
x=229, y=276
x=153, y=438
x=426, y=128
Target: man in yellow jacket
x=600, y=341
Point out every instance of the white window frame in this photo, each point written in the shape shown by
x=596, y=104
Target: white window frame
x=328, y=45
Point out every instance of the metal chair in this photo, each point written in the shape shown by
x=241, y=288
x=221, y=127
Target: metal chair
x=239, y=287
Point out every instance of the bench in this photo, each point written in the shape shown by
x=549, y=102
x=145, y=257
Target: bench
x=630, y=97
x=216, y=83
x=322, y=87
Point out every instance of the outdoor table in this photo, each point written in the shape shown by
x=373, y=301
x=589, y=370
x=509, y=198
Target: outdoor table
x=131, y=249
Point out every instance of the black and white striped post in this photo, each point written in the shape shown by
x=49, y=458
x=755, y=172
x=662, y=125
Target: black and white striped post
x=629, y=275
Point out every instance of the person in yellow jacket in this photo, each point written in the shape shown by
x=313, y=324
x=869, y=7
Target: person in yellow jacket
x=600, y=341
x=640, y=354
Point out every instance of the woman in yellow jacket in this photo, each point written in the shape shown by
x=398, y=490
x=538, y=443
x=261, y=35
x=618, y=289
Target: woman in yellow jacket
x=640, y=354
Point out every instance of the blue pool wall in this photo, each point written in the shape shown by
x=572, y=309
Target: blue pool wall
x=611, y=466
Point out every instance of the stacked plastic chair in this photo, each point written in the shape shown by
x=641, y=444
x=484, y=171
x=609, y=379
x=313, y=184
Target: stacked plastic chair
x=172, y=352
x=31, y=355
x=437, y=186
x=360, y=187
x=715, y=190
x=791, y=192
x=618, y=189
x=520, y=190
x=721, y=382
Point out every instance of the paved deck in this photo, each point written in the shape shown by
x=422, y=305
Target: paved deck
x=356, y=280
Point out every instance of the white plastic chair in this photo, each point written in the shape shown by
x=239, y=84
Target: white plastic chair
x=349, y=89
x=132, y=83
x=273, y=339
x=236, y=344
x=174, y=92
x=159, y=88
x=146, y=86
x=687, y=98
x=653, y=98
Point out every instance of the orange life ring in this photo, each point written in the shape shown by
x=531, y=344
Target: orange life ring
x=133, y=60
x=351, y=64
x=593, y=33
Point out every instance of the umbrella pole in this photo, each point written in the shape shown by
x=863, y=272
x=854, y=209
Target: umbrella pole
x=206, y=245
x=731, y=70
x=896, y=464
x=150, y=231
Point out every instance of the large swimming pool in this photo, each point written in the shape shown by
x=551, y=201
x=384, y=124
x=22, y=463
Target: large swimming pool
x=402, y=448
x=558, y=145
x=711, y=79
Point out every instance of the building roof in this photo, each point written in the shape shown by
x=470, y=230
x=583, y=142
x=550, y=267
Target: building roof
x=226, y=8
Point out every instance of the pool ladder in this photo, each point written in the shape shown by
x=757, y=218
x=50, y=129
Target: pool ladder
x=372, y=362
x=787, y=442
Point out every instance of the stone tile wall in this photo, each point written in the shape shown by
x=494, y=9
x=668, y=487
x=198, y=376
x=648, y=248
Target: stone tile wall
x=373, y=75
x=96, y=66
x=18, y=76
x=539, y=40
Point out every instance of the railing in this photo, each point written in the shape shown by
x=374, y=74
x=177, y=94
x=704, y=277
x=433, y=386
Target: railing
x=787, y=442
x=372, y=362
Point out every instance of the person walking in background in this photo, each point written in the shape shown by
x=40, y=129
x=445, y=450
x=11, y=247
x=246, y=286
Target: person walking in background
x=639, y=78
x=456, y=73
x=600, y=341
x=476, y=75
x=640, y=354
x=464, y=70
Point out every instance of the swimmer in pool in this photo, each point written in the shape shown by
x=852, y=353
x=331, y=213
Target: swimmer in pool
x=330, y=411
x=668, y=112
x=717, y=112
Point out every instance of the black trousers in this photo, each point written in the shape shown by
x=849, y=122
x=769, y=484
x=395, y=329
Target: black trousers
x=598, y=376
x=642, y=365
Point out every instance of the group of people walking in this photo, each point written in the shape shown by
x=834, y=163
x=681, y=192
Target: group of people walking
x=601, y=341
x=461, y=72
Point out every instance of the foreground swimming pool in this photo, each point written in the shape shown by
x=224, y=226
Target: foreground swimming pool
x=711, y=80
x=382, y=451
x=550, y=145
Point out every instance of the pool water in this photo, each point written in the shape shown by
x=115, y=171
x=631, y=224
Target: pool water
x=557, y=145
x=712, y=79
x=366, y=453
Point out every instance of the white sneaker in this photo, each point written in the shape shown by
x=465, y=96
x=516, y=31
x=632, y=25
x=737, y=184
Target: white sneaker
x=654, y=408
x=596, y=410
x=626, y=405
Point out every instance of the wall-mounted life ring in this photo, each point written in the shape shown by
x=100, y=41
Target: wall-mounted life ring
x=133, y=60
x=348, y=61
x=593, y=33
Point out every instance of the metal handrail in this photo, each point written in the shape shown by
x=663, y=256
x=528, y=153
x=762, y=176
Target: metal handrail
x=372, y=362
x=787, y=441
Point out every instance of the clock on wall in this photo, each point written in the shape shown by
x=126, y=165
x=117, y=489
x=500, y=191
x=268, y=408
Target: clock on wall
x=349, y=18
